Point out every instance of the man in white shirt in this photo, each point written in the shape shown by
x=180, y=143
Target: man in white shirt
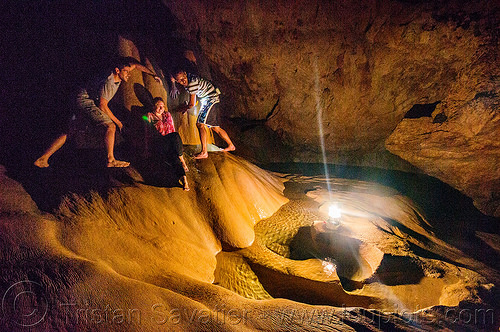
x=93, y=101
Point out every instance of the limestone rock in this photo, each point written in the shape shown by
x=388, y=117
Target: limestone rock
x=346, y=73
x=464, y=151
x=342, y=76
x=138, y=257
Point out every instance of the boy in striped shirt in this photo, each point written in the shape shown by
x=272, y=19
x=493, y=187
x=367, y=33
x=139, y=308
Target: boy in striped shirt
x=208, y=95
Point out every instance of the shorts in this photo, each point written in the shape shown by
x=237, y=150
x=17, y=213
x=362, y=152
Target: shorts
x=90, y=109
x=205, y=116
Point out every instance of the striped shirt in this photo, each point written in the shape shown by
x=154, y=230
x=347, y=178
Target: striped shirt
x=201, y=87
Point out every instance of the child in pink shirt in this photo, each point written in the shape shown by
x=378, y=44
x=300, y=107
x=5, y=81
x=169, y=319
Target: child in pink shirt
x=167, y=140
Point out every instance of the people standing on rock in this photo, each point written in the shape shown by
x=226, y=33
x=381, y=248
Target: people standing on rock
x=92, y=100
x=166, y=142
x=208, y=96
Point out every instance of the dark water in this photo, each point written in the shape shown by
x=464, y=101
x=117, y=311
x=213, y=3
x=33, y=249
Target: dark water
x=453, y=216
x=437, y=199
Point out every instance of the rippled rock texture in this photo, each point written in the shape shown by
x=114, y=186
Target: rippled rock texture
x=138, y=257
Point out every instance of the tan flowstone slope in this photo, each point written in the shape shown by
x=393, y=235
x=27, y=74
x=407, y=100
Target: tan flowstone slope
x=143, y=258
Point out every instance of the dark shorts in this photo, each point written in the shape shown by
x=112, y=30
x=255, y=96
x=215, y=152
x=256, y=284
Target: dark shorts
x=207, y=115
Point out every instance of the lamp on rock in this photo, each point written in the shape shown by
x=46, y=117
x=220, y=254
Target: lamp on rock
x=334, y=215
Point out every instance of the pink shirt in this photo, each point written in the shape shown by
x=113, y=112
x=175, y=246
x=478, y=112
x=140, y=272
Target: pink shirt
x=163, y=123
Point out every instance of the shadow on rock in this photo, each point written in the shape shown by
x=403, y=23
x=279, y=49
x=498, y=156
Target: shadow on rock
x=83, y=171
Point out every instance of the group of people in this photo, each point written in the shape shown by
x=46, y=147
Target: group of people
x=92, y=102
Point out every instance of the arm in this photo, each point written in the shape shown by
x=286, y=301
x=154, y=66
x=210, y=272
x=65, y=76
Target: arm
x=103, y=105
x=183, y=108
x=170, y=122
x=146, y=70
x=192, y=101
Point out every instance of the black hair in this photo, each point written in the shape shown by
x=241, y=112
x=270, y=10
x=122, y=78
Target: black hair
x=157, y=99
x=123, y=62
x=178, y=69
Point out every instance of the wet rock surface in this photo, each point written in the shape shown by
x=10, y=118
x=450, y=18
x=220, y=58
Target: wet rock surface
x=135, y=246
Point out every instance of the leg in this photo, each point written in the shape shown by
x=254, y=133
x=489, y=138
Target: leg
x=203, y=138
x=179, y=151
x=206, y=106
x=43, y=161
x=184, y=182
x=223, y=134
x=183, y=163
x=109, y=140
x=174, y=148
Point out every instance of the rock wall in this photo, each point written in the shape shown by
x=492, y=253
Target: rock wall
x=458, y=143
x=296, y=77
x=342, y=74
x=463, y=151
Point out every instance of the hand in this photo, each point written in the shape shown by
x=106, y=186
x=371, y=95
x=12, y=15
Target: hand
x=174, y=92
x=183, y=108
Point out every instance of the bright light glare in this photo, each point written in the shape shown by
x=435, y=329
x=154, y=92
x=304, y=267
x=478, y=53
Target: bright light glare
x=319, y=112
x=329, y=266
x=334, y=211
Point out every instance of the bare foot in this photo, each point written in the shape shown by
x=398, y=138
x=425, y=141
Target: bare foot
x=230, y=148
x=41, y=162
x=118, y=163
x=201, y=155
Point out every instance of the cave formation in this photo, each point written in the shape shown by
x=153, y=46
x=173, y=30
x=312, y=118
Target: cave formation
x=389, y=109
